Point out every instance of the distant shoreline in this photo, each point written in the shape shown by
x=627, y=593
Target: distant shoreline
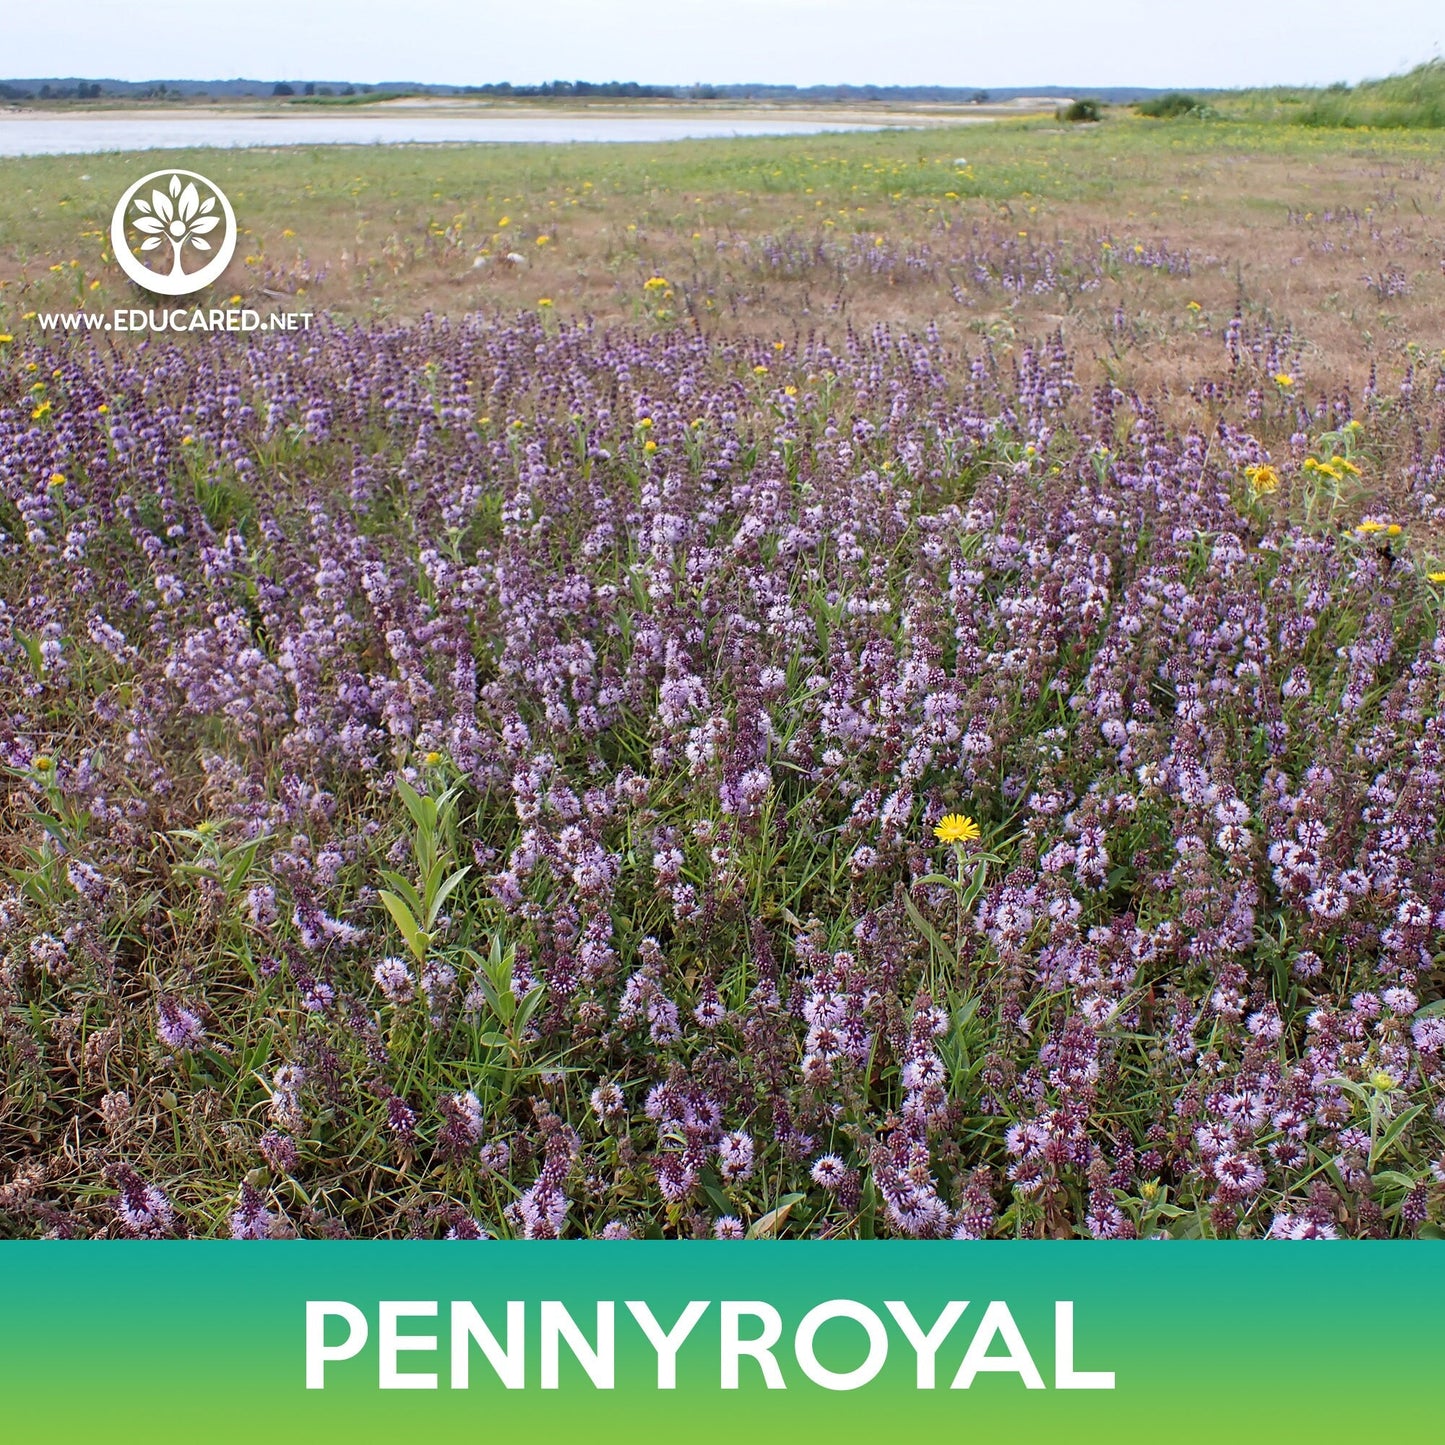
x=930, y=113
x=56, y=133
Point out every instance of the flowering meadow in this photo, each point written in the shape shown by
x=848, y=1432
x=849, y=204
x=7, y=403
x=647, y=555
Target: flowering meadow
x=520, y=775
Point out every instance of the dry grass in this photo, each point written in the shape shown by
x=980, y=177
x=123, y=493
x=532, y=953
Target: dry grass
x=1331, y=238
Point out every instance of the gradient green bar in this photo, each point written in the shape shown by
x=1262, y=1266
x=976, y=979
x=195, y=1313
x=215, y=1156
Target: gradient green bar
x=1238, y=1342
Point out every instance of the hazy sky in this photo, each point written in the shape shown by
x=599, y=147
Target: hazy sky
x=889, y=42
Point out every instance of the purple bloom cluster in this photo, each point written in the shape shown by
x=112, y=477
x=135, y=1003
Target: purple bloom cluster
x=688, y=644
x=978, y=261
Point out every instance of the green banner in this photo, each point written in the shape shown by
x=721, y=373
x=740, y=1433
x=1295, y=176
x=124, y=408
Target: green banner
x=638, y=1341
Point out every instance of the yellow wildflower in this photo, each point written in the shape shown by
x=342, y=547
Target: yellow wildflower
x=1262, y=480
x=432, y=759
x=1283, y=379
x=57, y=479
x=1436, y=577
x=544, y=302
x=956, y=828
x=1370, y=527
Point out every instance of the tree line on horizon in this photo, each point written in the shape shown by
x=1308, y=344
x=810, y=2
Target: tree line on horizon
x=76, y=89
x=1414, y=99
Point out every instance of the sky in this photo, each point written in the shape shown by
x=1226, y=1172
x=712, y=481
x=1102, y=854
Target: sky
x=804, y=42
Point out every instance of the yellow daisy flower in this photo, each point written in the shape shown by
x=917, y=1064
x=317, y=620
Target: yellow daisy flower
x=956, y=828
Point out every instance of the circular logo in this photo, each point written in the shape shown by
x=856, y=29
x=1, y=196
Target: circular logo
x=177, y=217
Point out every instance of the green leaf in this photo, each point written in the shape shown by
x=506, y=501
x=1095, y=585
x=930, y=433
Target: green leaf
x=500, y=963
x=527, y=1008
x=444, y=892
x=1397, y=1126
x=196, y=870
x=976, y=884
x=403, y=889
x=500, y=1000
x=928, y=930
x=1395, y=1179
x=53, y=826
x=765, y=1226
x=410, y=929
x=720, y=1201
x=966, y=1012
x=868, y=1210
x=422, y=808
x=240, y=860
x=32, y=649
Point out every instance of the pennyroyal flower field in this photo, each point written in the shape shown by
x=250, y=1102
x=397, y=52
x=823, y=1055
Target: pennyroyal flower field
x=524, y=775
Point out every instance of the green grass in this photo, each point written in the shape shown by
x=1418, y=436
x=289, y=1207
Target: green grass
x=46, y=203
x=1413, y=101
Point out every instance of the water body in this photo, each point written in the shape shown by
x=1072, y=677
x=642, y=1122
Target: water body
x=35, y=135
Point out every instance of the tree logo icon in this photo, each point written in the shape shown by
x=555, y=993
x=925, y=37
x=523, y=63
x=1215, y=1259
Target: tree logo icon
x=175, y=217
